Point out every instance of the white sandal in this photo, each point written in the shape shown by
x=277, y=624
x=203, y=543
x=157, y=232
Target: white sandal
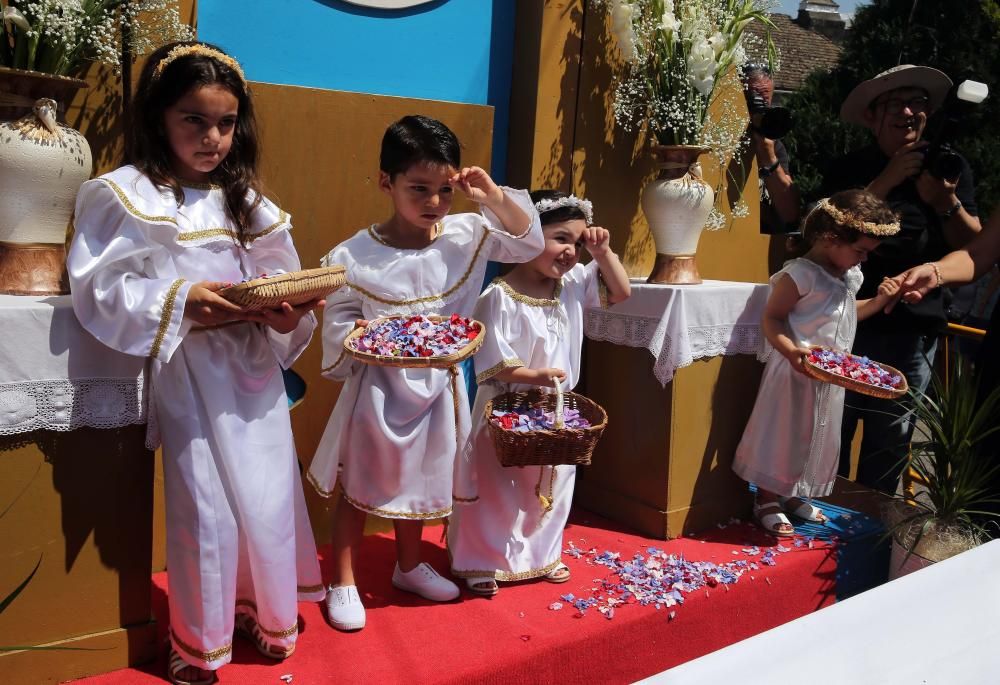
x=175, y=664
x=803, y=508
x=560, y=574
x=771, y=518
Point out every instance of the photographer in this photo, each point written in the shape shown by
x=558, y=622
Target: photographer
x=779, y=203
x=937, y=215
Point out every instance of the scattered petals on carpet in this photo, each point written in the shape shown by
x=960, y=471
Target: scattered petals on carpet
x=662, y=580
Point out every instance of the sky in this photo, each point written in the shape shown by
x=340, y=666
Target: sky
x=791, y=7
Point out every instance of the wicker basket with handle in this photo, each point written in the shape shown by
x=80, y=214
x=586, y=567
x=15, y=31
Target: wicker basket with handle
x=857, y=386
x=559, y=445
x=295, y=287
x=442, y=362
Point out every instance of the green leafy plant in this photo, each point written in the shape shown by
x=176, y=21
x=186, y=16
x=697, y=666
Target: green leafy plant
x=61, y=36
x=957, y=478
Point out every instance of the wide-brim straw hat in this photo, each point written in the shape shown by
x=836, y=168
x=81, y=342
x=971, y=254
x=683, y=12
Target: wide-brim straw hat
x=935, y=82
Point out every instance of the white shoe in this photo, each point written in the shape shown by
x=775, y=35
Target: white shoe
x=425, y=581
x=344, y=609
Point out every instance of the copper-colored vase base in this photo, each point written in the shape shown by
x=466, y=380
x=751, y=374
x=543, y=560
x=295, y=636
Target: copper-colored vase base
x=33, y=269
x=674, y=270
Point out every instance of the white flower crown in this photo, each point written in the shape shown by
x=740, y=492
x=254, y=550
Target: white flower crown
x=585, y=206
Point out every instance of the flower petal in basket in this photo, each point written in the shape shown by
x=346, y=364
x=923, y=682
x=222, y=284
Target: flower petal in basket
x=439, y=362
x=295, y=288
x=858, y=385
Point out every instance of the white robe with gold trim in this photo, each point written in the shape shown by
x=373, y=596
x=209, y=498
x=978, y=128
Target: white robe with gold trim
x=238, y=535
x=395, y=433
x=506, y=533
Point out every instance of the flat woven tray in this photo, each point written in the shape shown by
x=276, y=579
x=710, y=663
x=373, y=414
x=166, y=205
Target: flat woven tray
x=444, y=362
x=857, y=386
x=294, y=288
x=546, y=447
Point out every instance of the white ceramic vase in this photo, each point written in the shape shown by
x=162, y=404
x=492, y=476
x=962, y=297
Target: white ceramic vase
x=677, y=204
x=42, y=164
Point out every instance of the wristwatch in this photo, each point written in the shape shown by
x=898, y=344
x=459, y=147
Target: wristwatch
x=948, y=213
x=766, y=171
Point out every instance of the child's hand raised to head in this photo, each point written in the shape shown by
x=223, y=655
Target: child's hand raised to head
x=597, y=240
x=285, y=319
x=478, y=186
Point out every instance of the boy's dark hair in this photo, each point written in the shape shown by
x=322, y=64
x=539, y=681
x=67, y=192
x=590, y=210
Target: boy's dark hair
x=859, y=204
x=147, y=146
x=559, y=214
x=414, y=139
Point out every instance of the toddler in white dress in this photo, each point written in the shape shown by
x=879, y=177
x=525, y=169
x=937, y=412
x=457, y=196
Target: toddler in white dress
x=791, y=445
x=510, y=527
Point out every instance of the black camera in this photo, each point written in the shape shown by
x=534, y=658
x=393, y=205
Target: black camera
x=940, y=159
x=770, y=122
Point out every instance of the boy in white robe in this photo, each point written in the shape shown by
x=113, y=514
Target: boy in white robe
x=394, y=435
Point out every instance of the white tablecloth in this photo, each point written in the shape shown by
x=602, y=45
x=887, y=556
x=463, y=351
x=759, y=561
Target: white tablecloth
x=936, y=626
x=681, y=323
x=54, y=375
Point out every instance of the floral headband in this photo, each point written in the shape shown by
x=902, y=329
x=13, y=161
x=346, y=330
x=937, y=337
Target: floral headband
x=585, y=206
x=847, y=219
x=198, y=49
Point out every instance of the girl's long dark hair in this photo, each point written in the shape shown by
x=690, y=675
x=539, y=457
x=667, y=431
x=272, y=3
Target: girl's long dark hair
x=147, y=147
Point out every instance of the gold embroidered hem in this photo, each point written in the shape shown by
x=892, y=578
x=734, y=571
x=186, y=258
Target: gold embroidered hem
x=388, y=514
x=489, y=373
x=525, y=299
x=509, y=577
x=429, y=298
x=336, y=363
x=464, y=500
x=309, y=589
x=207, y=657
x=165, y=316
x=319, y=488
x=276, y=634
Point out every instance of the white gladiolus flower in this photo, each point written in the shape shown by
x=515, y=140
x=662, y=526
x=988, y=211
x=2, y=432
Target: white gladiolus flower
x=669, y=24
x=621, y=25
x=701, y=60
x=12, y=15
x=718, y=43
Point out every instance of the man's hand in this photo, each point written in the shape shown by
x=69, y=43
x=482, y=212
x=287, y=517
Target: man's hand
x=939, y=193
x=905, y=163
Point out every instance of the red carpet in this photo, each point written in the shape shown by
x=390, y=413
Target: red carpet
x=515, y=637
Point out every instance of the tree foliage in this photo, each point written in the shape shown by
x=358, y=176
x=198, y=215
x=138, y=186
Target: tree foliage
x=959, y=37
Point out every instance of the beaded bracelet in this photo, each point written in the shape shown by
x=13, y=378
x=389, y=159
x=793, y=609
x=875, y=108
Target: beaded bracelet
x=937, y=274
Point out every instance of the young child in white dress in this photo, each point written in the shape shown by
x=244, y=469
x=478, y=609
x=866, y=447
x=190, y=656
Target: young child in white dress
x=395, y=433
x=790, y=447
x=154, y=242
x=512, y=527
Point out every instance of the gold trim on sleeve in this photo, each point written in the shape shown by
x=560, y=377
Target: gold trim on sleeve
x=165, y=316
x=320, y=490
x=336, y=363
x=530, y=301
x=484, y=376
x=207, y=657
x=430, y=298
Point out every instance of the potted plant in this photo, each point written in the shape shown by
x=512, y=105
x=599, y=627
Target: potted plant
x=675, y=56
x=955, y=497
x=44, y=44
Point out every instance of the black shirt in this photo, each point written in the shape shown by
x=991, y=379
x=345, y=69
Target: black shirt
x=770, y=222
x=919, y=240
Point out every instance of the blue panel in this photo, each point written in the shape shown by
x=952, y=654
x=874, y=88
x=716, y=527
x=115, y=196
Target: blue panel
x=437, y=51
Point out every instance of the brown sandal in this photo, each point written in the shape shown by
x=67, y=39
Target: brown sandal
x=247, y=626
x=176, y=665
x=484, y=586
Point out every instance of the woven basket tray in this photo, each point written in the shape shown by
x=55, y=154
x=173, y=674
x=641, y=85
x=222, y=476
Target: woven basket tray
x=855, y=385
x=414, y=362
x=296, y=287
x=546, y=447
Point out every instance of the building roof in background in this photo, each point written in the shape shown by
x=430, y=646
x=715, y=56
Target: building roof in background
x=800, y=50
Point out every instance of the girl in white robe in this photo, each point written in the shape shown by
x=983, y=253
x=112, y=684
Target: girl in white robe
x=791, y=445
x=511, y=529
x=393, y=437
x=145, y=262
